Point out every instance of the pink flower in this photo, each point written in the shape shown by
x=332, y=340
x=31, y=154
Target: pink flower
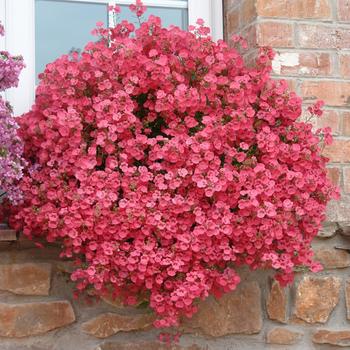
x=11, y=147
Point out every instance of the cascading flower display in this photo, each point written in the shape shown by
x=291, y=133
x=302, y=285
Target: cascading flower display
x=11, y=148
x=163, y=163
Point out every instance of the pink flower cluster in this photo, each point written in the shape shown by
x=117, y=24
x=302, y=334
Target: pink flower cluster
x=163, y=163
x=139, y=9
x=10, y=68
x=11, y=147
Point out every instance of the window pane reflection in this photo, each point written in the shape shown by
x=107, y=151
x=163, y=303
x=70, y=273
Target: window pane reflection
x=62, y=26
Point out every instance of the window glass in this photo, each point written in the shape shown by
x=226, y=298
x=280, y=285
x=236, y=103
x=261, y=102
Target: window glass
x=62, y=26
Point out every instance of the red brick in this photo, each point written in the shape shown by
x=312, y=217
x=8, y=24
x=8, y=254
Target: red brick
x=333, y=174
x=292, y=84
x=232, y=22
x=346, y=174
x=338, y=151
x=323, y=37
x=228, y=4
x=330, y=119
x=294, y=8
x=333, y=93
x=247, y=12
x=346, y=123
x=344, y=10
x=250, y=57
x=250, y=35
x=275, y=34
x=345, y=65
x=305, y=63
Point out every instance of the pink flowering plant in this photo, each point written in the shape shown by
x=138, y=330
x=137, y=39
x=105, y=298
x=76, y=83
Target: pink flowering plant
x=11, y=162
x=163, y=163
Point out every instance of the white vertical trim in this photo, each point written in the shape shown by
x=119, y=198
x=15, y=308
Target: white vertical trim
x=3, y=21
x=2, y=38
x=211, y=12
x=217, y=19
x=20, y=40
x=199, y=9
x=110, y=23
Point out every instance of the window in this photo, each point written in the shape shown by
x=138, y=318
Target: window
x=42, y=30
x=52, y=39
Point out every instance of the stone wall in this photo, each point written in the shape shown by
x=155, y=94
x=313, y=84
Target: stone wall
x=38, y=311
x=37, y=308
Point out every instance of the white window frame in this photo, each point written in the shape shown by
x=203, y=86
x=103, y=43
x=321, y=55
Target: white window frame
x=18, y=17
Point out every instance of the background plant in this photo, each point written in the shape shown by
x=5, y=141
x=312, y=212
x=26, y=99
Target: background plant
x=11, y=162
x=162, y=163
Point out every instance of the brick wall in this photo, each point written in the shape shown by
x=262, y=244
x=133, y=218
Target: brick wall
x=312, y=41
x=38, y=312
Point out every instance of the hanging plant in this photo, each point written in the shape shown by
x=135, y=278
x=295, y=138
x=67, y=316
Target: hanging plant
x=163, y=163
